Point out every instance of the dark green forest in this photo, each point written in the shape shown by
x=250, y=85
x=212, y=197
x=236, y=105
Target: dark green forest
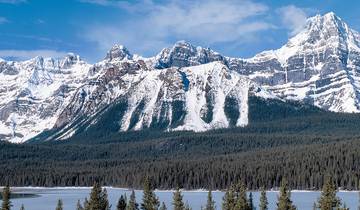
x=293, y=141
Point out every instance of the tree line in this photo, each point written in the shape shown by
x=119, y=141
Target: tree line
x=300, y=144
x=189, y=164
x=235, y=198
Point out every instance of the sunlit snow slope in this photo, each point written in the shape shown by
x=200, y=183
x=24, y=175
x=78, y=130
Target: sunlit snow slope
x=182, y=88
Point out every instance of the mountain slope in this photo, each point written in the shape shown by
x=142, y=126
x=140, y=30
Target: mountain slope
x=195, y=98
x=320, y=65
x=182, y=88
x=33, y=93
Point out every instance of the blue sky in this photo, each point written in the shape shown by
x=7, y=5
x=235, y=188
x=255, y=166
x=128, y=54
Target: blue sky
x=239, y=28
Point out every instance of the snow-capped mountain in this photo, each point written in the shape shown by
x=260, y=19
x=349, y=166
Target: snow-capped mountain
x=34, y=92
x=320, y=65
x=194, y=98
x=182, y=88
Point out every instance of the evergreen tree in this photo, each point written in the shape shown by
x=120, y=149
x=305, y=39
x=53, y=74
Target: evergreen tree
x=251, y=202
x=94, y=202
x=284, y=201
x=328, y=199
x=241, y=199
x=344, y=207
x=187, y=207
x=163, y=206
x=104, y=202
x=178, y=200
x=79, y=206
x=121, y=205
x=132, y=205
x=263, y=200
x=210, y=204
x=6, y=203
x=359, y=195
x=86, y=204
x=150, y=201
x=98, y=199
x=59, y=205
x=229, y=199
x=314, y=206
x=22, y=207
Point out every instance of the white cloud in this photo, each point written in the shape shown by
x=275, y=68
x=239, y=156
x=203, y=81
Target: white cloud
x=3, y=20
x=99, y=2
x=208, y=22
x=40, y=21
x=293, y=18
x=12, y=1
x=27, y=54
x=134, y=5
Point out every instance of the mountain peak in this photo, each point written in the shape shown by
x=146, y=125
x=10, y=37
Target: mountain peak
x=119, y=52
x=69, y=60
x=326, y=31
x=183, y=43
x=326, y=21
x=183, y=54
x=330, y=14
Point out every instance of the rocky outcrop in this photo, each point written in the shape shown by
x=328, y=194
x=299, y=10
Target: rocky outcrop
x=182, y=88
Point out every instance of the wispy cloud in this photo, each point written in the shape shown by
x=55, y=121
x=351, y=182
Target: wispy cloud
x=293, y=18
x=27, y=54
x=40, y=21
x=134, y=5
x=99, y=2
x=208, y=22
x=12, y=1
x=3, y=20
x=30, y=37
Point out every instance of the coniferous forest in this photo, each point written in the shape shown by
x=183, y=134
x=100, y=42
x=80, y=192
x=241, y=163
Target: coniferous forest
x=235, y=198
x=299, y=143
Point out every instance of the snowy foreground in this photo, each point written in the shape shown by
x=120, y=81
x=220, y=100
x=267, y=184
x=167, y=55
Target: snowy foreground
x=47, y=198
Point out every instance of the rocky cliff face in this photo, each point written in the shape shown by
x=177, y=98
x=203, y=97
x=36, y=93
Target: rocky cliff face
x=33, y=93
x=195, y=98
x=183, y=54
x=320, y=65
x=182, y=88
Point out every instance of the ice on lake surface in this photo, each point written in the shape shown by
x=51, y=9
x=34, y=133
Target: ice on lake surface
x=48, y=197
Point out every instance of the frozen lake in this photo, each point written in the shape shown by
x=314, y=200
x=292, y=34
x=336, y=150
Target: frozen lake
x=47, y=198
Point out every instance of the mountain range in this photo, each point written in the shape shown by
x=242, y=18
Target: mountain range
x=182, y=88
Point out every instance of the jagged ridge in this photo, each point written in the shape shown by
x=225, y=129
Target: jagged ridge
x=182, y=88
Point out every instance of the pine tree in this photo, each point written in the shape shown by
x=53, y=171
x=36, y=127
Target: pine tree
x=22, y=207
x=163, y=206
x=79, y=206
x=229, y=199
x=187, y=207
x=359, y=195
x=150, y=201
x=98, y=199
x=104, y=202
x=59, y=205
x=241, y=199
x=6, y=203
x=178, y=200
x=328, y=199
x=132, y=205
x=284, y=202
x=251, y=202
x=86, y=204
x=210, y=204
x=263, y=200
x=314, y=206
x=95, y=197
x=121, y=205
x=344, y=207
